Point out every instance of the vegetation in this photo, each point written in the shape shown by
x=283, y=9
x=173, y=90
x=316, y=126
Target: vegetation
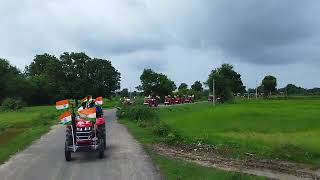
x=19, y=129
x=156, y=84
x=197, y=86
x=269, y=85
x=48, y=78
x=177, y=169
x=285, y=129
x=227, y=82
x=11, y=104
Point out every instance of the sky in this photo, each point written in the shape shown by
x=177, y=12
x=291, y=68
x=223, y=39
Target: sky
x=184, y=39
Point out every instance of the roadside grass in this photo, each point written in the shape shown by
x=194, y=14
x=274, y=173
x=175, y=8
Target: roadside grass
x=275, y=129
x=19, y=129
x=111, y=103
x=177, y=169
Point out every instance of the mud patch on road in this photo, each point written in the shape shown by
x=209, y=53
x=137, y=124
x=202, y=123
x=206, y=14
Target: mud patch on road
x=7, y=135
x=211, y=157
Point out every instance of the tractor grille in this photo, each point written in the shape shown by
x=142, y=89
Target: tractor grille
x=84, y=133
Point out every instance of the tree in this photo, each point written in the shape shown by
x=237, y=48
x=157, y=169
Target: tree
x=74, y=75
x=124, y=92
x=227, y=81
x=183, y=86
x=153, y=83
x=269, y=84
x=293, y=89
x=197, y=86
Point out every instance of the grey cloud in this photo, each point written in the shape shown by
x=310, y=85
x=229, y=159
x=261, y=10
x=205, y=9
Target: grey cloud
x=185, y=39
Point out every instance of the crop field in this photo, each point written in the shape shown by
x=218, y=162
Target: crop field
x=284, y=129
x=18, y=129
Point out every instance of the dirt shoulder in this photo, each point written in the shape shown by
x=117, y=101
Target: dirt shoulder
x=209, y=156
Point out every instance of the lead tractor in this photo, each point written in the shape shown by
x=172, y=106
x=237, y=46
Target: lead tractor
x=85, y=130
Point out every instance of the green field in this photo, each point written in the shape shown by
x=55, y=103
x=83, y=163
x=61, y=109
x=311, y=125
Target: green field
x=285, y=129
x=178, y=169
x=19, y=129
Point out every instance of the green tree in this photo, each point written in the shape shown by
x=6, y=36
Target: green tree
x=269, y=84
x=227, y=81
x=153, y=83
x=183, y=86
x=124, y=92
x=197, y=86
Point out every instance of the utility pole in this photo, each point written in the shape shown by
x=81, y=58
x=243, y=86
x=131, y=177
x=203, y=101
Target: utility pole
x=213, y=93
x=256, y=90
x=248, y=94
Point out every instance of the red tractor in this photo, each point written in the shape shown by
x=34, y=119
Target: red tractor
x=168, y=100
x=151, y=101
x=189, y=99
x=179, y=100
x=83, y=135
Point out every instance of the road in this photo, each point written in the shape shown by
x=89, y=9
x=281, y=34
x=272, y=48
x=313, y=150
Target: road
x=44, y=159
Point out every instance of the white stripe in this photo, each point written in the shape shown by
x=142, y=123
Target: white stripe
x=64, y=106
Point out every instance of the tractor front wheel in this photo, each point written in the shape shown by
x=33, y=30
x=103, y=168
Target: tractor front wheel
x=101, y=148
x=67, y=153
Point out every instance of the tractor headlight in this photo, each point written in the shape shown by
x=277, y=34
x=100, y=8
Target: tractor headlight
x=88, y=128
x=78, y=129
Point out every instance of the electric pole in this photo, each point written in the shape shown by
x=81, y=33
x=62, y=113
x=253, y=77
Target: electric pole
x=213, y=93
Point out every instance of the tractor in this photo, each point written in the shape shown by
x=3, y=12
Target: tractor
x=86, y=135
x=168, y=100
x=151, y=101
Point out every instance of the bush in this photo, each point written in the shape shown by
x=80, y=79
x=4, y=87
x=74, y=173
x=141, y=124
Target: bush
x=161, y=129
x=12, y=104
x=138, y=113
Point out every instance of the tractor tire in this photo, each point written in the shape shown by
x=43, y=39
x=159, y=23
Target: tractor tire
x=101, y=148
x=67, y=153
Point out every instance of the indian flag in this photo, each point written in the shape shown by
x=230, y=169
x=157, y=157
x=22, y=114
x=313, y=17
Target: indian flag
x=99, y=100
x=63, y=104
x=89, y=113
x=84, y=99
x=65, y=118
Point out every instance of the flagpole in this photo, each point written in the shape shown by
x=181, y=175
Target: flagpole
x=74, y=147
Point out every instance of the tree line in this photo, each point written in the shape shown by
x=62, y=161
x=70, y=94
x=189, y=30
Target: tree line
x=227, y=83
x=48, y=78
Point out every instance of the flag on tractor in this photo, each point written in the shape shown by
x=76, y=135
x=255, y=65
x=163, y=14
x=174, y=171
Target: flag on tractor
x=84, y=99
x=63, y=104
x=89, y=113
x=65, y=118
x=99, y=100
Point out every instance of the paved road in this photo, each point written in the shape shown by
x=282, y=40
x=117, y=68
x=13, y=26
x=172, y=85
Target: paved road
x=44, y=159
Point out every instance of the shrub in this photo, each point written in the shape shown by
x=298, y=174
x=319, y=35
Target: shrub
x=12, y=104
x=161, y=129
x=138, y=113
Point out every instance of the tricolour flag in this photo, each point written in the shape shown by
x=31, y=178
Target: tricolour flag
x=89, y=113
x=84, y=99
x=65, y=118
x=63, y=104
x=99, y=100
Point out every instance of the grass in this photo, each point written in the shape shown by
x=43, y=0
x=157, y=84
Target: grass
x=284, y=129
x=176, y=169
x=19, y=129
x=111, y=103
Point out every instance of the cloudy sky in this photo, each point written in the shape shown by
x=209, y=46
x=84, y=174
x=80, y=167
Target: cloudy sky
x=184, y=39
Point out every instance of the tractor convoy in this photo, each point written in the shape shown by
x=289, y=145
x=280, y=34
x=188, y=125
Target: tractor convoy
x=85, y=126
x=168, y=100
